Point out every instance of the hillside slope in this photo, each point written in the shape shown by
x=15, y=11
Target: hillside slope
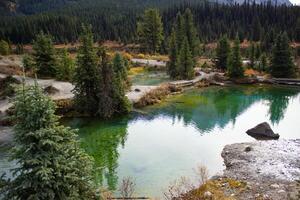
x=27, y=7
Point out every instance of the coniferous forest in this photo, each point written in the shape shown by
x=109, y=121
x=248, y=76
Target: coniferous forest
x=117, y=20
x=149, y=99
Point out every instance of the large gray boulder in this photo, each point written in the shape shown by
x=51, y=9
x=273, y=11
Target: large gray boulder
x=262, y=131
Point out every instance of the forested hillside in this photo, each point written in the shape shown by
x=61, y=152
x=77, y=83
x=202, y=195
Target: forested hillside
x=116, y=20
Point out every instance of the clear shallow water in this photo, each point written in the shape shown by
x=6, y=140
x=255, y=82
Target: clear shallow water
x=150, y=78
x=172, y=138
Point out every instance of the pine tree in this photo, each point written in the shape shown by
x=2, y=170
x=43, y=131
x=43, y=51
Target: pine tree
x=112, y=99
x=19, y=49
x=65, y=68
x=87, y=75
x=222, y=53
x=183, y=44
x=235, y=67
x=297, y=36
x=51, y=164
x=263, y=63
x=186, y=61
x=257, y=51
x=4, y=48
x=191, y=32
x=44, y=55
x=173, y=63
x=282, y=65
x=256, y=29
x=119, y=66
x=28, y=63
x=150, y=31
x=252, y=55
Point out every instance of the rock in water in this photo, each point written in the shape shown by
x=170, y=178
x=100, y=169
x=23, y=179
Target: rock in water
x=262, y=131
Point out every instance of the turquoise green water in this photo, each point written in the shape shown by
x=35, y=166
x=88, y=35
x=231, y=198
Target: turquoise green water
x=169, y=140
x=150, y=78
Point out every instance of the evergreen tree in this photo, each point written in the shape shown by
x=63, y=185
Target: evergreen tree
x=44, y=55
x=112, y=91
x=51, y=164
x=65, y=68
x=186, y=61
x=263, y=63
x=28, y=63
x=4, y=48
x=234, y=66
x=87, y=75
x=222, y=53
x=297, y=36
x=150, y=31
x=257, y=52
x=120, y=67
x=19, y=49
x=252, y=56
x=191, y=32
x=282, y=65
x=256, y=29
x=173, y=64
x=268, y=41
x=183, y=44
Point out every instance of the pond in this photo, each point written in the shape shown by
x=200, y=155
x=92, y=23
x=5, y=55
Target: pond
x=150, y=78
x=164, y=142
x=169, y=140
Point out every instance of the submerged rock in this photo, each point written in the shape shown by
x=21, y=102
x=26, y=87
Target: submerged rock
x=262, y=131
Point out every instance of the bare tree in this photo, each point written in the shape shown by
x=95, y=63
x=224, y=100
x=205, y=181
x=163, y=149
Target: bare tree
x=127, y=187
x=178, y=188
x=202, y=174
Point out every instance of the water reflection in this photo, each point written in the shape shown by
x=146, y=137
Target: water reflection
x=102, y=140
x=216, y=107
x=150, y=147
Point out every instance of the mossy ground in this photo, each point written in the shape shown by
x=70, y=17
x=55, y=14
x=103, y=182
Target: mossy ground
x=221, y=189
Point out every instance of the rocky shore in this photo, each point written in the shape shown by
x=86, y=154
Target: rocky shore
x=270, y=169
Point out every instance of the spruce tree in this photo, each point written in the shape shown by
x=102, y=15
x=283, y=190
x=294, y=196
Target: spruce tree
x=263, y=63
x=119, y=66
x=150, y=31
x=87, y=75
x=112, y=99
x=65, y=66
x=222, y=53
x=297, y=36
x=173, y=64
x=256, y=29
x=4, y=48
x=235, y=67
x=44, y=56
x=51, y=164
x=28, y=63
x=252, y=55
x=282, y=65
x=191, y=32
x=186, y=61
x=183, y=44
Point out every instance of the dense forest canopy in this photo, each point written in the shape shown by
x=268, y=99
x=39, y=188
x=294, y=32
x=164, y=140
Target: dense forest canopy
x=117, y=20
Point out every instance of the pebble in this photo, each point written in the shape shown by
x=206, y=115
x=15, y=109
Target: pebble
x=275, y=186
x=281, y=191
x=207, y=194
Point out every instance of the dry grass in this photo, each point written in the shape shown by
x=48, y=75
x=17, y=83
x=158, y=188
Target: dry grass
x=156, y=95
x=136, y=70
